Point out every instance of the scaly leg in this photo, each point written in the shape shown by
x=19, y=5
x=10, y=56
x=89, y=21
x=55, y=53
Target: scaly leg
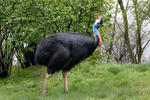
x=65, y=81
x=45, y=84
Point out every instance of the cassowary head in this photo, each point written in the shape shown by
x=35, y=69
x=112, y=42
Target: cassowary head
x=99, y=20
x=98, y=23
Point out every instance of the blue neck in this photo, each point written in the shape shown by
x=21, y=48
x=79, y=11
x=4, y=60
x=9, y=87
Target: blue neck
x=95, y=29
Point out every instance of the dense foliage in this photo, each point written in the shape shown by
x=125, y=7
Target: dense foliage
x=24, y=22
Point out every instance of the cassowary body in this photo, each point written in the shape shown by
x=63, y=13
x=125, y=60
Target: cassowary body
x=63, y=51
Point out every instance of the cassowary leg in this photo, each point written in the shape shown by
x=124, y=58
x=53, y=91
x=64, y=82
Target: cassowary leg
x=45, y=84
x=65, y=81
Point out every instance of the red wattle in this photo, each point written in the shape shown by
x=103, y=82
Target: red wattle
x=100, y=40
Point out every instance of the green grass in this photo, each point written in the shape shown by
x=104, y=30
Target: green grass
x=87, y=81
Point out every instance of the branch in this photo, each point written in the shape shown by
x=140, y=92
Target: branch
x=147, y=13
x=115, y=19
x=127, y=4
x=119, y=27
x=117, y=32
x=113, y=33
x=145, y=45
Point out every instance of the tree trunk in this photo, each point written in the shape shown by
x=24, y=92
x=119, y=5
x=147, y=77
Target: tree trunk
x=138, y=32
x=4, y=73
x=126, y=37
x=5, y=69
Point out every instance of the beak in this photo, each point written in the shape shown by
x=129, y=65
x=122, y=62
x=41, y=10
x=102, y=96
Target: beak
x=100, y=25
x=101, y=22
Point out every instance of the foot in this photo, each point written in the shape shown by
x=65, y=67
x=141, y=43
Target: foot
x=43, y=93
x=65, y=90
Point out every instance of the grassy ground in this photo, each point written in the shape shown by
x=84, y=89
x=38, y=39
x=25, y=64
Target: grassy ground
x=86, y=81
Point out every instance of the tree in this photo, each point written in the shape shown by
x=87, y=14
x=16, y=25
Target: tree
x=140, y=15
x=6, y=46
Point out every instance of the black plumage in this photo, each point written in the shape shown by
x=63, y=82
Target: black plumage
x=63, y=51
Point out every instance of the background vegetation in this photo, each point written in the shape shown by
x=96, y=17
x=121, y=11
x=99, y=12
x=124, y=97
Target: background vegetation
x=107, y=74
x=24, y=23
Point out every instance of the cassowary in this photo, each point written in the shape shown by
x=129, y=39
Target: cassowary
x=63, y=51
